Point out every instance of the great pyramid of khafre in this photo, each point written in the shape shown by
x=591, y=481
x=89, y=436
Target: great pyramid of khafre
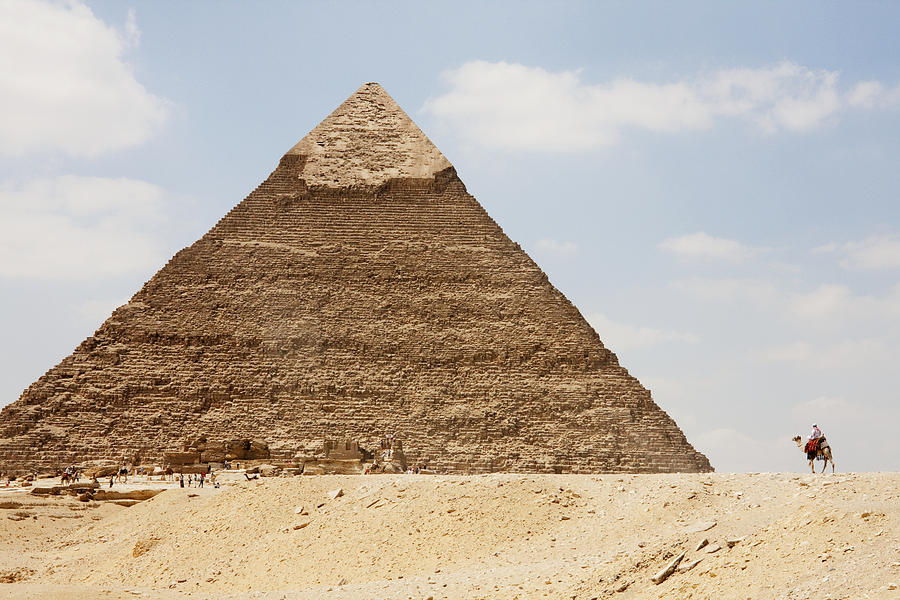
x=358, y=291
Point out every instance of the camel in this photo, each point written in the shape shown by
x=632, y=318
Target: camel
x=824, y=451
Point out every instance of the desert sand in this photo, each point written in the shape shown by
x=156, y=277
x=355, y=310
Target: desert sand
x=765, y=535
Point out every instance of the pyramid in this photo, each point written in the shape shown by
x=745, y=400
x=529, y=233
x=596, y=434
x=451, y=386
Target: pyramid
x=358, y=291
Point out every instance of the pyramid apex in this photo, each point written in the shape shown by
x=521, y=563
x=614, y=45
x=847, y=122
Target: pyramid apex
x=367, y=140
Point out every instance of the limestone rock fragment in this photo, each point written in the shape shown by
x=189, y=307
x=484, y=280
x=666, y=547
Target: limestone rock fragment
x=689, y=566
x=701, y=526
x=668, y=569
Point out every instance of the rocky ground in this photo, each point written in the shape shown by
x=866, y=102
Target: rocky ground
x=493, y=536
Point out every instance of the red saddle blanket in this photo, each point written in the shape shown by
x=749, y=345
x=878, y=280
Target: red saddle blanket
x=813, y=445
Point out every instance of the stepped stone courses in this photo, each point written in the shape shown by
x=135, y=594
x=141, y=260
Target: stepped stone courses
x=358, y=290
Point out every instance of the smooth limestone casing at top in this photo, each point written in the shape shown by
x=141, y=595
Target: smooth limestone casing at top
x=358, y=291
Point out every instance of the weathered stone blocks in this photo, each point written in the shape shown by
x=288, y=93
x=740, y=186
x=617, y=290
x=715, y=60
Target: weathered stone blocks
x=358, y=291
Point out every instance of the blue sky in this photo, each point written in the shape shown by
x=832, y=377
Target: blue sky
x=714, y=185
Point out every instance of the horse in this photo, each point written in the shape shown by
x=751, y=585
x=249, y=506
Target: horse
x=824, y=450
x=122, y=475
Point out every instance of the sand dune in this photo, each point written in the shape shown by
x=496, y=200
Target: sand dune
x=490, y=536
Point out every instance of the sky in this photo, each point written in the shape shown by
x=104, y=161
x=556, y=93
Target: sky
x=714, y=185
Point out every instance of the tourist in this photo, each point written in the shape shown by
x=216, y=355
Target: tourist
x=816, y=433
x=110, y=481
x=181, y=479
x=202, y=478
x=812, y=444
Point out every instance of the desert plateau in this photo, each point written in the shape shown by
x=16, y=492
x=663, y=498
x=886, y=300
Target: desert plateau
x=763, y=535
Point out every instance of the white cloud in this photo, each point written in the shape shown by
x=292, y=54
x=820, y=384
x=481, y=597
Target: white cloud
x=619, y=336
x=825, y=248
x=745, y=453
x=827, y=304
x=553, y=248
x=825, y=301
x=755, y=291
x=64, y=85
x=834, y=409
x=706, y=247
x=513, y=106
x=74, y=227
x=793, y=352
x=834, y=355
x=873, y=94
x=873, y=253
x=132, y=31
x=99, y=309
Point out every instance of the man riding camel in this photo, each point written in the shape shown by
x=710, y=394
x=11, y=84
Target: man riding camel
x=812, y=445
x=815, y=448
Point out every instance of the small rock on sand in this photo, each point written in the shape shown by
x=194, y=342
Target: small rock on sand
x=701, y=544
x=689, y=566
x=334, y=494
x=701, y=526
x=668, y=569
